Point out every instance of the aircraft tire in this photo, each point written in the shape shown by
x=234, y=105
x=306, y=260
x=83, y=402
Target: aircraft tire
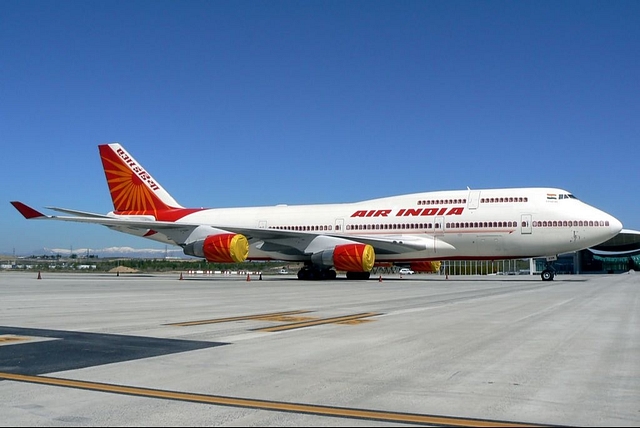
x=358, y=275
x=547, y=275
x=310, y=274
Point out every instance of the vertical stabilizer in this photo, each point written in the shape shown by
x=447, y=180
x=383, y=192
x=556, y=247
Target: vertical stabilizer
x=133, y=190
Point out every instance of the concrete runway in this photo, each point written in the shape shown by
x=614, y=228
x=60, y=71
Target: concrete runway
x=155, y=350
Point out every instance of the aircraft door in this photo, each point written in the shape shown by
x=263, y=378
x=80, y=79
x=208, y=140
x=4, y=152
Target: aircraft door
x=525, y=225
x=438, y=226
x=339, y=226
x=474, y=199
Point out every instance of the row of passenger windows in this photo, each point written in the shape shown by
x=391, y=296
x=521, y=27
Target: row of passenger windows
x=394, y=226
x=306, y=228
x=509, y=199
x=464, y=201
x=442, y=202
x=456, y=225
x=399, y=226
x=579, y=223
x=475, y=224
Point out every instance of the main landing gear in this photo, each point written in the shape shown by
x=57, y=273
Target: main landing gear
x=311, y=273
x=315, y=273
x=358, y=275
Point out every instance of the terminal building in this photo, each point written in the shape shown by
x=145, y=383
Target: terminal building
x=617, y=255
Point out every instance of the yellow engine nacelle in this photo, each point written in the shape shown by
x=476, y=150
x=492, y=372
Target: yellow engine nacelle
x=348, y=257
x=221, y=248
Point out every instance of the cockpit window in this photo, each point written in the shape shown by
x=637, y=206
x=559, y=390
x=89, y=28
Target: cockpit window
x=567, y=196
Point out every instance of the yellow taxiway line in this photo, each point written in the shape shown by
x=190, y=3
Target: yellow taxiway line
x=318, y=322
x=341, y=412
x=238, y=318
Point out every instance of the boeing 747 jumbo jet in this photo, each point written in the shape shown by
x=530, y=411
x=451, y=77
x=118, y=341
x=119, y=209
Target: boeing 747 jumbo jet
x=407, y=230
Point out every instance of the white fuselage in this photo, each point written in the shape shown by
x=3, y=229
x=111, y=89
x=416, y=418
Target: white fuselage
x=477, y=224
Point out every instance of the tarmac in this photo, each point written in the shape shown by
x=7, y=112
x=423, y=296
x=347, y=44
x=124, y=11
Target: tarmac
x=92, y=349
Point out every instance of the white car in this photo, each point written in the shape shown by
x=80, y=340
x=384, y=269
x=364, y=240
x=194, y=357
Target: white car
x=406, y=271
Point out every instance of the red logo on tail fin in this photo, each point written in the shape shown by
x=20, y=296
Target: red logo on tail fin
x=132, y=188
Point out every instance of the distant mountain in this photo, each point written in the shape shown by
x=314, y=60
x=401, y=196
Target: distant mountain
x=136, y=253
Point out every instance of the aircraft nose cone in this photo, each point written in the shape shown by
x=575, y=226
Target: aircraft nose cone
x=615, y=226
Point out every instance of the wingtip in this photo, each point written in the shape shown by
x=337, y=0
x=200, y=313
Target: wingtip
x=27, y=211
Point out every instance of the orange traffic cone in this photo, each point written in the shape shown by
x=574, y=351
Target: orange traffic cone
x=380, y=278
x=181, y=276
x=39, y=277
x=248, y=277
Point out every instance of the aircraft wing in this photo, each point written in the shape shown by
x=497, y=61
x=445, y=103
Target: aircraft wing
x=144, y=226
x=178, y=233
x=77, y=213
x=87, y=217
x=283, y=241
x=309, y=242
x=398, y=244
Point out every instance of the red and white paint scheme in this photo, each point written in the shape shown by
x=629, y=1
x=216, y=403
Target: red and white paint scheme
x=408, y=230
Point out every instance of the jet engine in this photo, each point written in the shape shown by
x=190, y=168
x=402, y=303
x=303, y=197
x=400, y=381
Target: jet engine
x=221, y=248
x=347, y=257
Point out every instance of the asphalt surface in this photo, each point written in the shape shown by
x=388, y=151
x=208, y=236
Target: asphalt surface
x=157, y=350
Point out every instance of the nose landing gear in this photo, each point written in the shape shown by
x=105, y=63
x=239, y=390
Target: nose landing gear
x=549, y=272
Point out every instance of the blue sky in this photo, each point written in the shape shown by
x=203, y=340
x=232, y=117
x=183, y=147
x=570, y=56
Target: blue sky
x=235, y=103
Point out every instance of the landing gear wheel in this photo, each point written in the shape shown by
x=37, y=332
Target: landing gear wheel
x=547, y=275
x=310, y=273
x=358, y=275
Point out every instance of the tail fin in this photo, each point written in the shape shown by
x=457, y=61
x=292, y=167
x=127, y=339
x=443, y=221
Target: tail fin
x=133, y=190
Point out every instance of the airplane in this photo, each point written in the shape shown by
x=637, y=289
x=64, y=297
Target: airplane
x=411, y=230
